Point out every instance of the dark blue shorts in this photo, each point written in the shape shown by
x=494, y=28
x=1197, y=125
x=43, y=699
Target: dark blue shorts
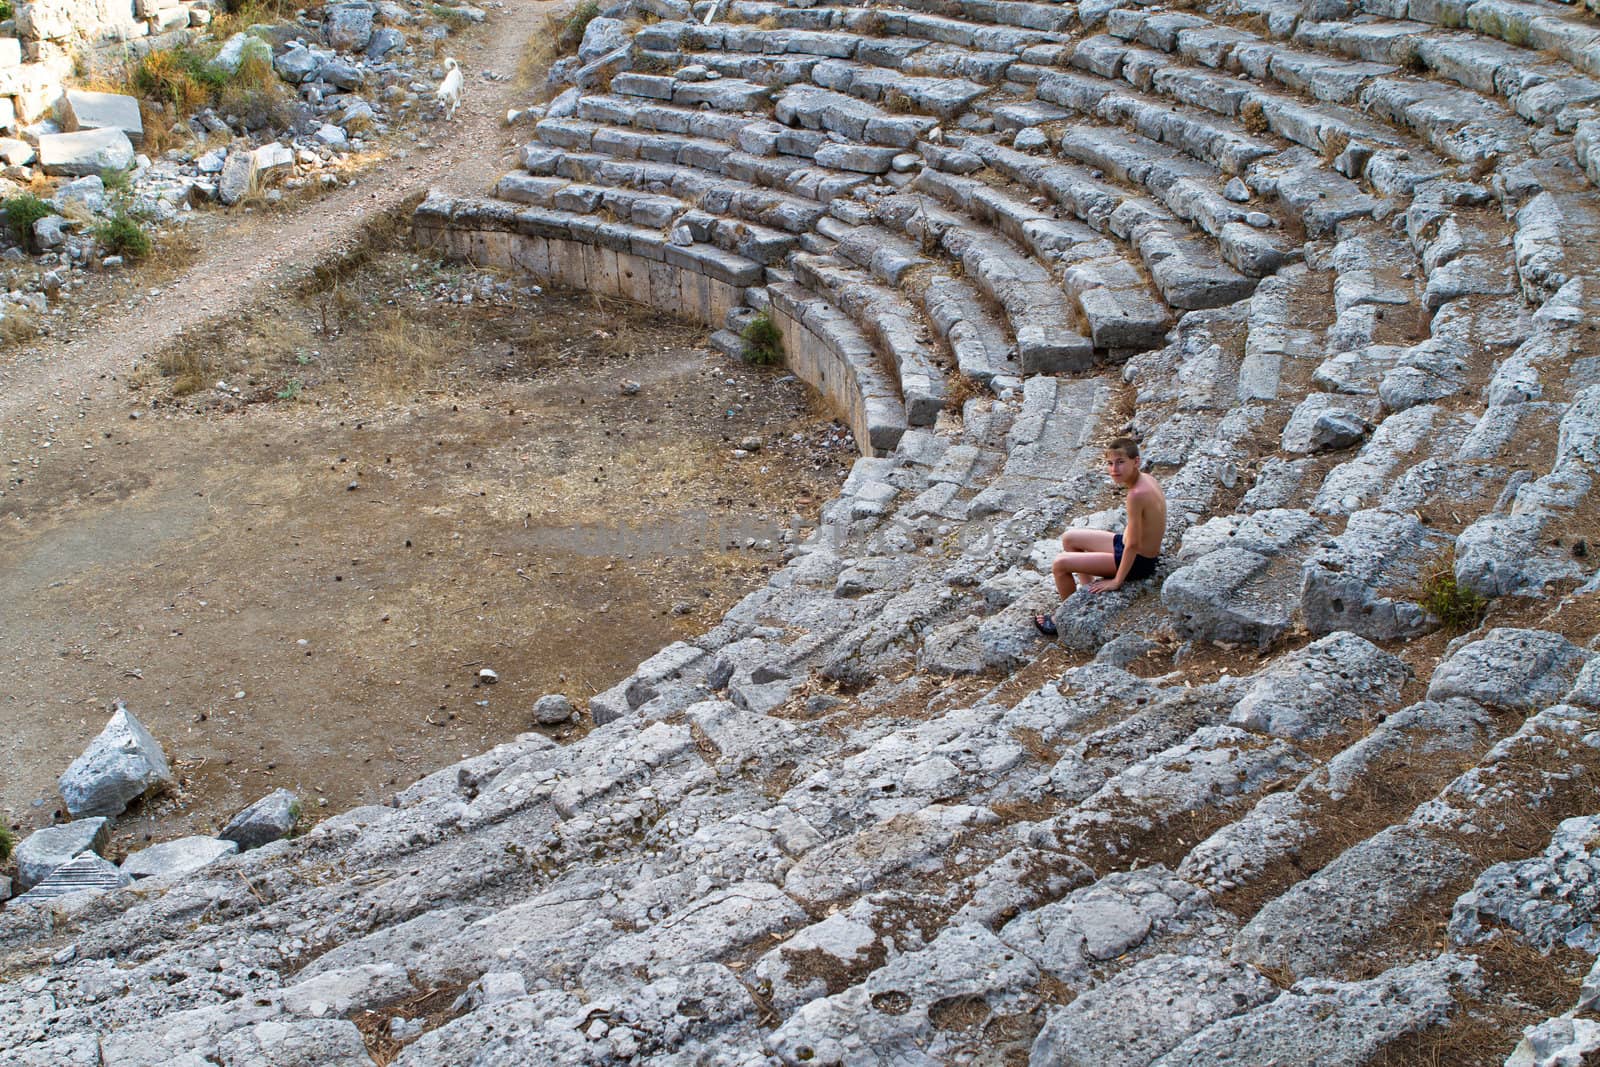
x=1143, y=566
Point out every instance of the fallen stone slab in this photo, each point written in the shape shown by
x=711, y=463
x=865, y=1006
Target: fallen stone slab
x=86, y=873
x=177, y=857
x=118, y=767
x=104, y=111
x=271, y=817
x=85, y=152
x=43, y=851
x=238, y=175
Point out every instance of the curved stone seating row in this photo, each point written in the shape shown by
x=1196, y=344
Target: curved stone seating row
x=839, y=826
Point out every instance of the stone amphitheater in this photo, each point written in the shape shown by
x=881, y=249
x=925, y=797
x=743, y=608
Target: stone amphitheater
x=1333, y=263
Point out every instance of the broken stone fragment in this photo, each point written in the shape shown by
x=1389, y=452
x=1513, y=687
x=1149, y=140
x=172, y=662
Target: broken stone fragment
x=45, y=850
x=552, y=709
x=118, y=767
x=271, y=817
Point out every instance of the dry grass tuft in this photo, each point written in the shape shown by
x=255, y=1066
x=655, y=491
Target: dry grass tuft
x=1253, y=117
x=1334, y=144
x=19, y=325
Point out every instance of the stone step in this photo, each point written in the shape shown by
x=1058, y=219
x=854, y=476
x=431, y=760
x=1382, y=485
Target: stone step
x=713, y=193
x=1337, y=1022
x=1037, y=309
x=1531, y=544
x=886, y=317
x=856, y=120
x=1111, y=295
x=1422, y=746
x=644, y=158
x=1491, y=809
x=1185, y=271
x=825, y=348
x=1239, y=579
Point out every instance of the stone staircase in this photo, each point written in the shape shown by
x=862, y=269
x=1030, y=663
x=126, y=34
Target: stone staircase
x=1334, y=264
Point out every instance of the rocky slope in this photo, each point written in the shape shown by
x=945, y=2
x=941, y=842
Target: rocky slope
x=1333, y=264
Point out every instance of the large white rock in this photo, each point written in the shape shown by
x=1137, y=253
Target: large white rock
x=118, y=767
x=85, y=152
x=104, y=111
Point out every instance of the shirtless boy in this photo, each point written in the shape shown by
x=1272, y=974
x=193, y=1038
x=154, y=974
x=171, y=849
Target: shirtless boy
x=1100, y=553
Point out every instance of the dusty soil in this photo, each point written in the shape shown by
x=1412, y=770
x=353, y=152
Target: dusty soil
x=295, y=580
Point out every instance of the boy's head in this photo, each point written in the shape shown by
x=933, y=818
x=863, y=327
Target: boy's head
x=1126, y=446
x=1122, y=460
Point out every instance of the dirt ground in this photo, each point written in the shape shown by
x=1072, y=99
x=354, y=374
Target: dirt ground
x=294, y=579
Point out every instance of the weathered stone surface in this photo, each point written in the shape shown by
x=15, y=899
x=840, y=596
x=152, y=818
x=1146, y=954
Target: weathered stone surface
x=119, y=766
x=44, y=850
x=1509, y=668
x=1319, y=923
x=1549, y=900
x=552, y=710
x=238, y=175
x=85, y=152
x=1557, y=1043
x=176, y=857
x=100, y=111
x=1321, y=688
x=271, y=817
x=1110, y=1024
x=85, y=873
x=1337, y=1024
x=348, y=27
x=888, y=1014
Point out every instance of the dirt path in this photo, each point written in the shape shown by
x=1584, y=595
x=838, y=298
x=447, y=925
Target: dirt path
x=42, y=383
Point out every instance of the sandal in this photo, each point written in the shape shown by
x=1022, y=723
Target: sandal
x=1045, y=625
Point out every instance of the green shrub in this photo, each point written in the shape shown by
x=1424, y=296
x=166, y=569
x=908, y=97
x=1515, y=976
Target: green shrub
x=182, y=77
x=21, y=213
x=122, y=236
x=116, y=180
x=8, y=841
x=762, y=342
x=1457, y=608
x=572, y=32
x=6, y=10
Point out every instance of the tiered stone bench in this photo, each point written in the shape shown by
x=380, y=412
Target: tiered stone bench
x=1333, y=265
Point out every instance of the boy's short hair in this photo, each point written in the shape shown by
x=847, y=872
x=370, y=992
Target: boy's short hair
x=1126, y=445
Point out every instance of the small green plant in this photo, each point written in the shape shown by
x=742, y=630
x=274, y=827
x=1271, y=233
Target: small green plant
x=1457, y=608
x=8, y=840
x=762, y=341
x=22, y=212
x=6, y=10
x=452, y=17
x=116, y=180
x=123, y=236
x=572, y=32
x=292, y=390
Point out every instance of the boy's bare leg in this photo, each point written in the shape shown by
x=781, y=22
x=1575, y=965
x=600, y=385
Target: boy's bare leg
x=1068, y=564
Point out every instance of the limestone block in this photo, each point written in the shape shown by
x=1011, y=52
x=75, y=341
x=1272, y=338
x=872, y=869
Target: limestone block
x=94, y=111
x=268, y=819
x=42, y=851
x=348, y=27
x=120, y=765
x=85, y=152
x=1510, y=668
